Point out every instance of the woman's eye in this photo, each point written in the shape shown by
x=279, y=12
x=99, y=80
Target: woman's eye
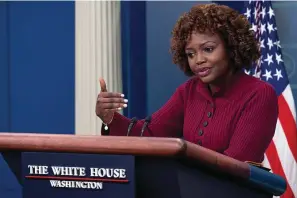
x=208, y=49
x=190, y=54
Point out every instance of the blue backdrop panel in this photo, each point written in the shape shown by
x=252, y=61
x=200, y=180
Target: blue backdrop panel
x=237, y=5
x=4, y=69
x=163, y=77
x=36, y=73
x=42, y=66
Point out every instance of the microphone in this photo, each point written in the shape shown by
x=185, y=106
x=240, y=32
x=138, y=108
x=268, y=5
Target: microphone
x=146, y=122
x=132, y=122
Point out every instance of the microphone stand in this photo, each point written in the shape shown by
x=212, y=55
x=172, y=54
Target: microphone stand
x=146, y=122
x=132, y=123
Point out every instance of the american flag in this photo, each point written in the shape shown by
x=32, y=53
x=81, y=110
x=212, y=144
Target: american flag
x=281, y=155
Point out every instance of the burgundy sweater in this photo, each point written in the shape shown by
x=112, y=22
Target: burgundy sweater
x=238, y=121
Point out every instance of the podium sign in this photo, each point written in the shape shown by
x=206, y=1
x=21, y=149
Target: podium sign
x=60, y=175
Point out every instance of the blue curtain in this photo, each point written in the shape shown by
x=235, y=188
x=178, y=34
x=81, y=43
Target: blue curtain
x=133, y=24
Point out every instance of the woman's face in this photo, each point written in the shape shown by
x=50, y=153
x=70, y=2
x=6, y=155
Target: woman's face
x=207, y=57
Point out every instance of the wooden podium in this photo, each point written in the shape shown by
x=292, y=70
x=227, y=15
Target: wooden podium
x=162, y=167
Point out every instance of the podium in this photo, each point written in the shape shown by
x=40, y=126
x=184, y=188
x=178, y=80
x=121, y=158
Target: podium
x=54, y=166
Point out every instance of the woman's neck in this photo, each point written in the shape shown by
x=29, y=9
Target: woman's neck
x=223, y=82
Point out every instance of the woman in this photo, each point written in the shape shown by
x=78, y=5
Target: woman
x=219, y=107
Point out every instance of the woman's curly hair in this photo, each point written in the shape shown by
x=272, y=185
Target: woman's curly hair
x=230, y=25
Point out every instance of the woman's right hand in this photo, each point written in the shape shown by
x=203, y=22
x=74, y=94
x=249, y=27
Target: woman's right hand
x=108, y=102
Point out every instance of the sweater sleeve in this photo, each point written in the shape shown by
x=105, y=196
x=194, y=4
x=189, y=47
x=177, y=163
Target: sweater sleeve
x=255, y=127
x=166, y=122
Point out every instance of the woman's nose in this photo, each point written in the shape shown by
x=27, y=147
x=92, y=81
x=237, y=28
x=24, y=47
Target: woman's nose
x=200, y=59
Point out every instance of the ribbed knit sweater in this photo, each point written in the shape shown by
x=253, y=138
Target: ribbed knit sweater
x=238, y=121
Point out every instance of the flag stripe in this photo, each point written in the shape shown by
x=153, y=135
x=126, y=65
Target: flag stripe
x=275, y=165
x=289, y=97
x=288, y=124
x=285, y=155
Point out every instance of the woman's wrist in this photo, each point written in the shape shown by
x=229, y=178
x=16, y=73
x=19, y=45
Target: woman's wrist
x=106, y=123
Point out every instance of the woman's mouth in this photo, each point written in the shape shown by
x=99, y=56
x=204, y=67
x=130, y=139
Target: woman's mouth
x=203, y=72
